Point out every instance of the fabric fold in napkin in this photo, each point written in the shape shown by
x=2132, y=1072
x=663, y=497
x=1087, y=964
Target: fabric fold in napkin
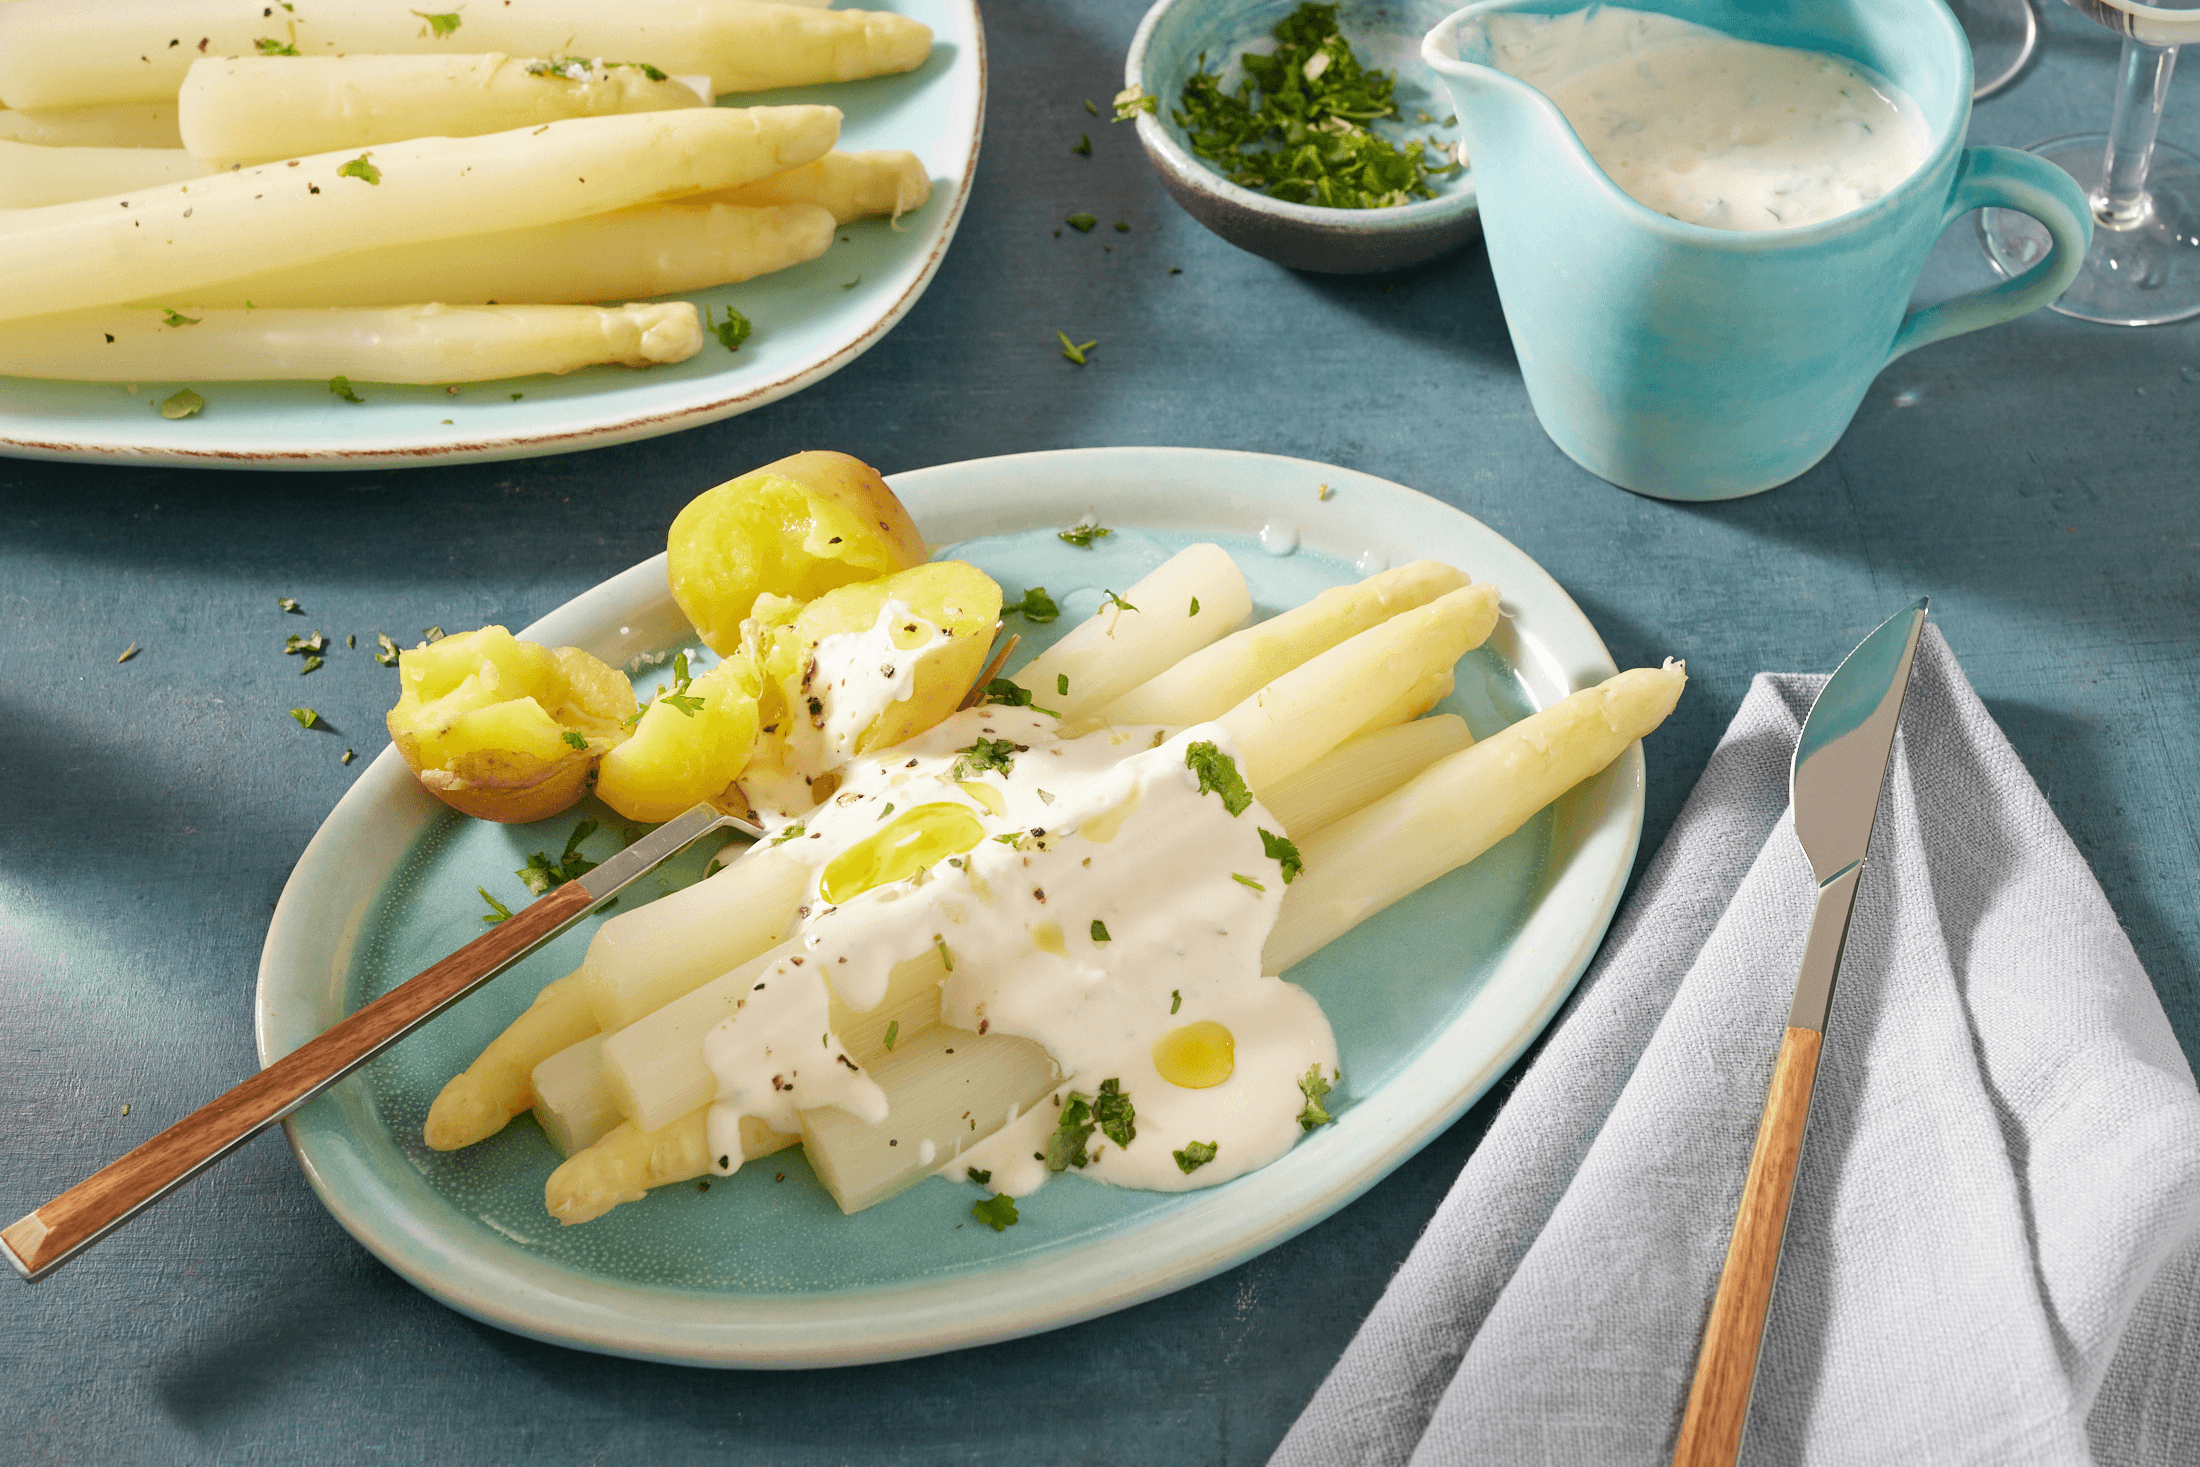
x=1994, y=1251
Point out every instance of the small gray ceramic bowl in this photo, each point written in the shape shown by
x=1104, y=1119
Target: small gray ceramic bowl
x=1385, y=34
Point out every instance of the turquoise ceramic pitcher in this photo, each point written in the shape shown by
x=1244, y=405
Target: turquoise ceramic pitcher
x=1695, y=363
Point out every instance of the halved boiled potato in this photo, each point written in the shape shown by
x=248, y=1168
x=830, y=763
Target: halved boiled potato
x=796, y=528
x=688, y=747
x=504, y=729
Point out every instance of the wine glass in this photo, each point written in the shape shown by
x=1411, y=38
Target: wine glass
x=2003, y=35
x=2144, y=266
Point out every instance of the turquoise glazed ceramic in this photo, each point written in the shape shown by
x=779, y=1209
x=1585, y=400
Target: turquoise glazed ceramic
x=1431, y=1000
x=1695, y=363
x=1178, y=37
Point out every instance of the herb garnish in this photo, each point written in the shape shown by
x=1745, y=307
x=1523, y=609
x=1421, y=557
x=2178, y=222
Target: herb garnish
x=1081, y=222
x=361, y=169
x=575, y=738
x=1195, y=1155
x=1133, y=100
x=732, y=331
x=341, y=386
x=1120, y=604
x=1084, y=145
x=1066, y=1143
x=1195, y=606
x=1314, y=1087
x=998, y=755
x=1243, y=880
x=387, y=654
x=540, y=874
x=306, y=717
x=128, y=653
x=1075, y=350
x=498, y=912
x=1000, y=690
x=269, y=46
x=792, y=832
x=1176, y=999
x=997, y=1212
x=1284, y=853
x=1218, y=775
x=893, y=1032
x=1100, y=931
x=171, y=318
x=442, y=25
x=1112, y=1109
x=1083, y=533
x=1296, y=127
x=978, y=1175
x=184, y=404
x=1036, y=606
x=290, y=604
x=580, y=68
x=1061, y=683
x=433, y=634
x=678, y=697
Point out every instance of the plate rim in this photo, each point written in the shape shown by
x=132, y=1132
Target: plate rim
x=603, y=432
x=533, y=1297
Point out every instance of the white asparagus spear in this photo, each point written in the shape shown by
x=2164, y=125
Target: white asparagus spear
x=1215, y=679
x=889, y=181
x=658, y=249
x=101, y=125
x=251, y=109
x=402, y=344
x=1319, y=704
x=1118, y=648
x=1460, y=807
x=1362, y=769
x=643, y=959
x=33, y=175
x=168, y=241
x=482, y=1098
x=626, y=1162
x=570, y=1100
x=59, y=53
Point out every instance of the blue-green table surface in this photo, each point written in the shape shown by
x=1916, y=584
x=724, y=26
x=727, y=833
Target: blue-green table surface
x=2041, y=481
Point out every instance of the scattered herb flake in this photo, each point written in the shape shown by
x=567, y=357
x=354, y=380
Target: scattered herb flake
x=1036, y=606
x=893, y=1032
x=1218, y=775
x=361, y=169
x=185, y=404
x=128, y=653
x=498, y=912
x=1075, y=350
x=341, y=386
x=1083, y=533
x=792, y=832
x=1066, y=1143
x=311, y=663
x=947, y=957
x=1324, y=492
x=290, y=604
x=1121, y=227
x=1244, y=880
x=170, y=318
x=1000, y=690
x=1100, y=931
x=1133, y=100
x=1084, y=145
x=978, y=1175
x=1195, y=606
x=1176, y=1000
x=387, y=653
x=269, y=46
x=575, y=739
x=997, y=755
x=1280, y=850
x=1112, y=1109
x=442, y=25
x=1314, y=1087
x=1108, y=598
x=997, y=1212
x=349, y=756
x=1195, y=1155
x=541, y=874
x=1081, y=222
x=1095, y=111
x=306, y=717
x=432, y=634
x=732, y=331
x=887, y=811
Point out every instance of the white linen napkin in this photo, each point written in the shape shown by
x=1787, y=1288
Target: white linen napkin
x=1994, y=1252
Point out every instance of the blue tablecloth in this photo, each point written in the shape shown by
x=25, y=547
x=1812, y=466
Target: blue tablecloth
x=2041, y=481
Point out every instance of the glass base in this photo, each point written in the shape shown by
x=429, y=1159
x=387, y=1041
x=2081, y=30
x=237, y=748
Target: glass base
x=2003, y=35
x=2143, y=275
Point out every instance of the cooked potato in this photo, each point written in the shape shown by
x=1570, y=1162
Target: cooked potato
x=692, y=743
x=504, y=729
x=797, y=528
x=960, y=600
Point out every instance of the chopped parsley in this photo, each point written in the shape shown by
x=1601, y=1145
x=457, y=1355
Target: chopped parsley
x=540, y=874
x=1195, y=1155
x=1084, y=145
x=1094, y=111
x=290, y=604
x=306, y=717
x=1195, y=606
x=185, y=404
x=498, y=912
x=171, y=318
x=947, y=958
x=341, y=386
x=1133, y=100
x=1100, y=931
x=1314, y=1087
x=580, y=68
x=1284, y=853
x=997, y=755
x=1243, y=880
x=732, y=331
x=128, y=653
x=269, y=46
x=1061, y=683
x=1082, y=223
x=792, y=832
x=1000, y=690
x=1112, y=1109
x=1296, y=128
x=575, y=739
x=295, y=645
x=386, y=650
x=361, y=169
x=1075, y=350
x=1108, y=597
x=893, y=1032
x=1083, y=533
x=997, y=1212
x=679, y=697
x=978, y=1175
x=1176, y=999
x=349, y=756
x=1066, y=1143
x=432, y=634
x=1036, y=606
x=310, y=664
x=442, y=25
x=1121, y=227
x=887, y=811
x=1218, y=775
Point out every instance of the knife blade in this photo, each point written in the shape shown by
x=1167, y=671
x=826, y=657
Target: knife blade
x=1834, y=786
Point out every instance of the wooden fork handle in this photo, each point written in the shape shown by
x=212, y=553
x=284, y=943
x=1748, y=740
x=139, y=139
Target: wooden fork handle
x=41, y=1241
x=1718, y=1401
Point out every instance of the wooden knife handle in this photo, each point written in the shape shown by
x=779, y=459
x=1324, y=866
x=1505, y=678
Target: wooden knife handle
x=42, y=1240
x=1718, y=1401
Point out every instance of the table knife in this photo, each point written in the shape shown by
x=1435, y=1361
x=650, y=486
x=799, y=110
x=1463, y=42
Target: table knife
x=1840, y=767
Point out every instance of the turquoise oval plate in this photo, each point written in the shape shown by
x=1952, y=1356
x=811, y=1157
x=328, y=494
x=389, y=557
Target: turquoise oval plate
x=810, y=321
x=1431, y=1000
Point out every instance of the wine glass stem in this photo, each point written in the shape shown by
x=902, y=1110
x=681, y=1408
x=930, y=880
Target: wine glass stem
x=2142, y=85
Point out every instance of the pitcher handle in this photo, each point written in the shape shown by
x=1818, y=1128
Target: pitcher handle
x=2003, y=178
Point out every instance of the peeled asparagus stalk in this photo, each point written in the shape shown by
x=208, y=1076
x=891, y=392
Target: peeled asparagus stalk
x=250, y=109
x=1360, y=770
x=643, y=959
x=418, y=344
x=1460, y=807
x=626, y=1163
x=32, y=176
x=170, y=240
x=852, y=185
x=658, y=249
x=480, y=1100
x=1117, y=649
x=59, y=53
x=948, y=1089
x=101, y=125
x=1215, y=679
x=571, y=1102
x=1319, y=704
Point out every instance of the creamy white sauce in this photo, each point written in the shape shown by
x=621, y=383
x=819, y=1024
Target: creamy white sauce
x=1711, y=129
x=1110, y=827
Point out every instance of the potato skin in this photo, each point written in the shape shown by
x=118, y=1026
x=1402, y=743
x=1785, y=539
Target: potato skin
x=797, y=528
